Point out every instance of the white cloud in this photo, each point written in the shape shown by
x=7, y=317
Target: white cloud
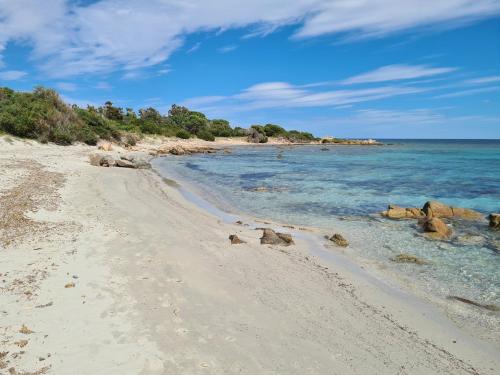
x=286, y=95
x=469, y=92
x=226, y=49
x=483, y=80
x=397, y=72
x=66, y=86
x=108, y=35
x=103, y=86
x=12, y=75
x=195, y=47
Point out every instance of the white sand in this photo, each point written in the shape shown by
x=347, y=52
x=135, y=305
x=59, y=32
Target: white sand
x=158, y=288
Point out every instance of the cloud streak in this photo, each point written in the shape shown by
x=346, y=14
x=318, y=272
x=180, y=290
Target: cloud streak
x=109, y=35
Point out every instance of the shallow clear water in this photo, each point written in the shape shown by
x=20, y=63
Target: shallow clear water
x=344, y=188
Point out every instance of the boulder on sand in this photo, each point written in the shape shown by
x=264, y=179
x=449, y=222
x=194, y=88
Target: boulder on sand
x=235, y=240
x=494, y=221
x=436, y=229
x=270, y=237
x=102, y=160
x=396, y=212
x=124, y=163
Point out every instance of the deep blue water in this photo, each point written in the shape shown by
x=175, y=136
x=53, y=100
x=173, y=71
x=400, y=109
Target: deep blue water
x=344, y=187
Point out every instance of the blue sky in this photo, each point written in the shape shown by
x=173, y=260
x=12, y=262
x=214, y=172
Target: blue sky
x=372, y=68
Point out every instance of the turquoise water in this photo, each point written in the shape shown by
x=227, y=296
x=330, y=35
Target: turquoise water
x=342, y=188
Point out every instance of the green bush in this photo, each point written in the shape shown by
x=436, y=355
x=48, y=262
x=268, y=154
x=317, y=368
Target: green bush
x=184, y=134
x=206, y=135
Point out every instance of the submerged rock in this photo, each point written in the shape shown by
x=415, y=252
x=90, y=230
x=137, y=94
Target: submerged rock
x=408, y=258
x=436, y=229
x=494, y=221
x=396, y=212
x=235, y=240
x=270, y=237
x=339, y=240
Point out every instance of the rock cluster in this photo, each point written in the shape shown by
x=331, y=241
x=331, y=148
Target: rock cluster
x=138, y=160
x=270, y=237
x=186, y=150
x=431, y=209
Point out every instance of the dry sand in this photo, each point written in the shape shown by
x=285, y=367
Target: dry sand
x=111, y=271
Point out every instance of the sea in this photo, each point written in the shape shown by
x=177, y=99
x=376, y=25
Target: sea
x=343, y=189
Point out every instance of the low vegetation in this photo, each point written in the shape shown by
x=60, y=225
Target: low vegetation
x=43, y=115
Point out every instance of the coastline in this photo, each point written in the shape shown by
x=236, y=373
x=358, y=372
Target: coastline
x=159, y=289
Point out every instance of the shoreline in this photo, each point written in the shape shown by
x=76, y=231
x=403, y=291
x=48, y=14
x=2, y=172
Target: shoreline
x=392, y=282
x=159, y=289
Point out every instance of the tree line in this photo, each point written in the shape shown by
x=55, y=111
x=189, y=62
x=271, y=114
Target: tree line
x=43, y=115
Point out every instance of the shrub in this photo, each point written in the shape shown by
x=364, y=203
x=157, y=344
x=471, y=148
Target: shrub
x=272, y=130
x=206, y=135
x=183, y=134
x=220, y=128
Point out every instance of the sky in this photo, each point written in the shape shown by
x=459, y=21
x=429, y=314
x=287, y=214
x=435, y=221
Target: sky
x=344, y=68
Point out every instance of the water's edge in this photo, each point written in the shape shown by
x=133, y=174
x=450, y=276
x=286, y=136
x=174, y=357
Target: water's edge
x=423, y=303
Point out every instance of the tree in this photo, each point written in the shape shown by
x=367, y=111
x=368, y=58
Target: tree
x=111, y=112
x=272, y=130
x=220, y=128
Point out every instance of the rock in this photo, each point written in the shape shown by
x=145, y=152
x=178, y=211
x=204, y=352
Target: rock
x=339, y=240
x=494, y=221
x=177, y=150
x=396, y=212
x=438, y=209
x=140, y=159
x=270, y=237
x=105, y=146
x=407, y=258
x=124, y=163
x=235, y=240
x=102, y=160
x=437, y=229
x=466, y=214
x=260, y=189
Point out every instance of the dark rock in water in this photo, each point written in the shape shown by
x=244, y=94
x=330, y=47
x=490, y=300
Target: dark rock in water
x=441, y=210
x=270, y=237
x=436, y=229
x=324, y=149
x=339, y=240
x=494, y=221
x=396, y=212
x=235, y=240
x=408, y=258
x=477, y=304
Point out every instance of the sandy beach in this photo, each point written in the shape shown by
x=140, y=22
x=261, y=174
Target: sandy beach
x=113, y=271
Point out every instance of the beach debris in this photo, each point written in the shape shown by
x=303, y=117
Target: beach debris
x=494, y=221
x=239, y=222
x=436, y=229
x=338, y=240
x=25, y=330
x=270, y=237
x=44, y=305
x=396, y=212
x=21, y=343
x=441, y=210
x=407, y=258
x=235, y=240
x=477, y=304
x=70, y=285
